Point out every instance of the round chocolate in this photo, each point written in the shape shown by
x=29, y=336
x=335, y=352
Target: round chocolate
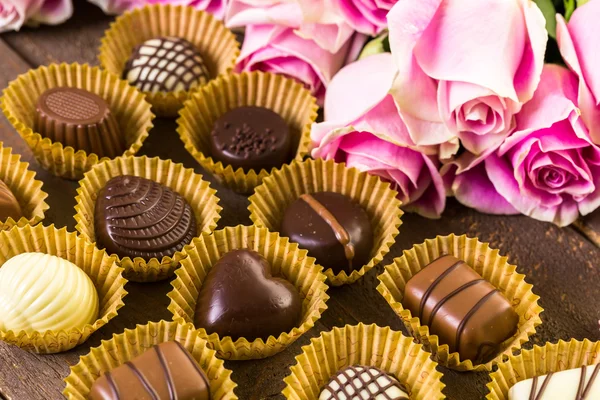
x=9, y=205
x=240, y=298
x=166, y=64
x=363, y=383
x=334, y=229
x=80, y=119
x=251, y=138
x=137, y=217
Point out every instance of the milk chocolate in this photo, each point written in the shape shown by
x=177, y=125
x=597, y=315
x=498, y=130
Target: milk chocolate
x=240, y=298
x=138, y=217
x=9, y=205
x=467, y=312
x=334, y=229
x=251, y=138
x=79, y=119
x=574, y=384
x=165, y=372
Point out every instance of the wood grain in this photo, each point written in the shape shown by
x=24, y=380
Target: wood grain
x=560, y=263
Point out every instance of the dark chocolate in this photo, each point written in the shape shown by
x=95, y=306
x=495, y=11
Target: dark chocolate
x=251, y=138
x=467, y=312
x=240, y=298
x=334, y=229
x=9, y=205
x=79, y=119
x=137, y=217
x=166, y=64
x=165, y=372
x=361, y=382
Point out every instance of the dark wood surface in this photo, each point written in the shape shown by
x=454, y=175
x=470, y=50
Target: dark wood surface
x=560, y=263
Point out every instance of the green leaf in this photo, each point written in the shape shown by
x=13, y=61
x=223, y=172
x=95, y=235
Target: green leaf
x=378, y=45
x=581, y=2
x=569, y=8
x=549, y=12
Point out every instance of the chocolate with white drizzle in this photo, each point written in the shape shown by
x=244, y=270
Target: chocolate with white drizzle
x=333, y=228
x=466, y=312
x=358, y=382
x=166, y=64
x=574, y=384
x=165, y=372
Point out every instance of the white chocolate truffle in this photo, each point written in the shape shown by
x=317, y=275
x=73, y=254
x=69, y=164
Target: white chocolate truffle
x=166, y=64
x=40, y=292
x=363, y=383
x=574, y=384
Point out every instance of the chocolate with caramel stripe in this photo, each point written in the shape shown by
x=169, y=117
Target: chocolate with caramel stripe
x=165, y=372
x=467, y=312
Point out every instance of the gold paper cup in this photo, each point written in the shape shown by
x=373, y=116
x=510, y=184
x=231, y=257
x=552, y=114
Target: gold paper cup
x=541, y=360
x=133, y=342
x=214, y=41
x=127, y=104
x=196, y=191
x=287, y=261
x=366, y=345
x=100, y=267
x=28, y=191
x=282, y=95
x=488, y=263
x=285, y=185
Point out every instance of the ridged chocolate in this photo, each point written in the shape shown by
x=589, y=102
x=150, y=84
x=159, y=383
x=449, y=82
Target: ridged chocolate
x=9, y=205
x=363, y=383
x=251, y=138
x=166, y=64
x=165, y=372
x=467, y=312
x=334, y=229
x=79, y=119
x=137, y=217
x=240, y=298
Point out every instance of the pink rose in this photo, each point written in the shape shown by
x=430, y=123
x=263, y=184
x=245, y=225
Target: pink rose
x=215, y=7
x=366, y=16
x=578, y=45
x=548, y=169
x=465, y=67
x=14, y=13
x=278, y=49
x=363, y=129
x=317, y=20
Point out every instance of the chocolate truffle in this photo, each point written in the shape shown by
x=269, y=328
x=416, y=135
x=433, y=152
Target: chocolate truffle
x=574, y=384
x=9, y=205
x=334, y=229
x=363, y=383
x=166, y=371
x=137, y=217
x=240, y=298
x=79, y=119
x=166, y=64
x=251, y=138
x=40, y=292
x=467, y=312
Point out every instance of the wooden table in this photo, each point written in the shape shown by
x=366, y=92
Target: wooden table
x=560, y=263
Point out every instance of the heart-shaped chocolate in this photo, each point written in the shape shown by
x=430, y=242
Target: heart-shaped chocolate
x=240, y=298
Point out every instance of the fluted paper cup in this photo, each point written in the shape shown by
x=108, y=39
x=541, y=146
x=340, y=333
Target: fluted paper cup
x=27, y=190
x=126, y=103
x=214, y=41
x=541, y=360
x=285, y=185
x=100, y=267
x=133, y=342
x=287, y=261
x=488, y=263
x=366, y=345
x=196, y=191
x=285, y=96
